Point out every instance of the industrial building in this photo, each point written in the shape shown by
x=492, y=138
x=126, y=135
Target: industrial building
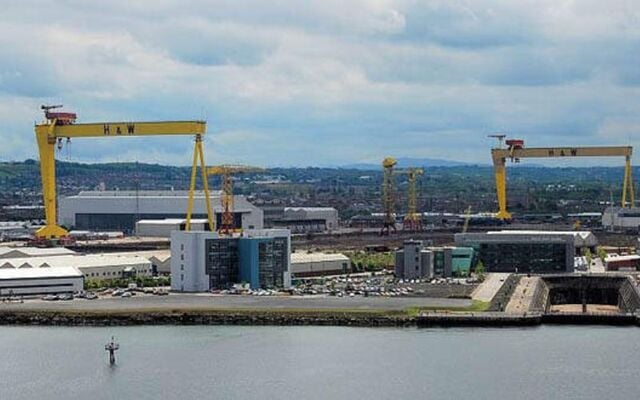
x=39, y=281
x=368, y=221
x=24, y=252
x=415, y=261
x=14, y=230
x=272, y=210
x=532, y=252
x=621, y=219
x=160, y=259
x=582, y=240
x=203, y=261
x=164, y=227
x=319, y=264
x=119, y=210
x=615, y=262
x=308, y=219
x=92, y=266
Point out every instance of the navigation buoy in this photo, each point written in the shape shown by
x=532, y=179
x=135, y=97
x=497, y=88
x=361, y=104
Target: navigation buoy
x=111, y=347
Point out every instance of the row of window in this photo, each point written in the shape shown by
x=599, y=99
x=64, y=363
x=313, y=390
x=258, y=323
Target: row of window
x=114, y=273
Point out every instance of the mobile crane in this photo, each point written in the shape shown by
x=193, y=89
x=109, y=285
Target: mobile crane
x=61, y=125
x=515, y=150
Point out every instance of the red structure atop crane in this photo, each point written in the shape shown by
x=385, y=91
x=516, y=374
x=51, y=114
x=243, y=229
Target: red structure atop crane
x=61, y=118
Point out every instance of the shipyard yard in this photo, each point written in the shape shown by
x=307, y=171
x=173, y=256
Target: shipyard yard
x=319, y=200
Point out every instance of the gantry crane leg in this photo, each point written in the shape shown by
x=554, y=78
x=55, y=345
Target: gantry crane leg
x=632, y=193
x=500, y=171
x=198, y=158
x=47, y=149
x=627, y=186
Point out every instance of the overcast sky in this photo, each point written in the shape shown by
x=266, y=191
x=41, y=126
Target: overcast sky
x=327, y=82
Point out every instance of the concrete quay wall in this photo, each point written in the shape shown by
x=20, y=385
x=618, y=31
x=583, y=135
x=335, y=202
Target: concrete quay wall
x=288, y=318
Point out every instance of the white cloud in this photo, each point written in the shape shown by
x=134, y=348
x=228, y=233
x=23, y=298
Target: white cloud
x=325, y=81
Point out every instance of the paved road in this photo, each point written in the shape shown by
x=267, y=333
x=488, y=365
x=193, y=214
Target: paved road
x=488, y=289
x=523, y=295
x=178, y=301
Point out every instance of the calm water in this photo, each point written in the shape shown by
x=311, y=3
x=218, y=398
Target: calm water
x=320, y=363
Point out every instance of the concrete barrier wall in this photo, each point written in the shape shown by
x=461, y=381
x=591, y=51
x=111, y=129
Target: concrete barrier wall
x=540, y=300
x=629, y=298
x=501, y=299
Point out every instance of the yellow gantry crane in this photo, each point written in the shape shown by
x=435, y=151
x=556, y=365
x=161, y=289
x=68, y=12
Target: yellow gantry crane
x=61, y=125
x=388, y=196
x=226, y=172
x=413, y=220
x=515, y=150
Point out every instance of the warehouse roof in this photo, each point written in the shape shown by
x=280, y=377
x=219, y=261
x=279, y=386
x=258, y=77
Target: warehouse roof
x=309, y=208
x=25, y=273
x=581, y=238
x=616, y=257
x=145, y=193
x=171, y=221
x=78, y=261
x=22, y=252
x=160, y=255
x=317, y=257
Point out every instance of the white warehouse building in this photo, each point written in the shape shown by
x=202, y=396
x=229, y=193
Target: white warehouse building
x=621, y=219
x=119, y=210
x=164, y=227
x=318, y=264
x=91, y=266
x=40, y=281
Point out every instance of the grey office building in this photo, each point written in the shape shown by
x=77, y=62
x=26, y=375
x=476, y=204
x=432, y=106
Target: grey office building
x=413, y=261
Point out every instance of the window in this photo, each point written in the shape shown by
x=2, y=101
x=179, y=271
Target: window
x=182, y=257
x=182, y=247
x=181, y=277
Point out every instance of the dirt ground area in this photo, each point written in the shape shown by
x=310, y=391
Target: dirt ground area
x=591, y=308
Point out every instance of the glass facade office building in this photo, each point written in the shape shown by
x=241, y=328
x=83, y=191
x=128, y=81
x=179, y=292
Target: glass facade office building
x=202, y=261
x=522, y=253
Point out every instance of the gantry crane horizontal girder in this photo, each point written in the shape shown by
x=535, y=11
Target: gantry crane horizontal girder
x=104, y=129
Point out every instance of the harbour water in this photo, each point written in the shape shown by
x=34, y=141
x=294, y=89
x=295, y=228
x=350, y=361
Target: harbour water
x=231, y=362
